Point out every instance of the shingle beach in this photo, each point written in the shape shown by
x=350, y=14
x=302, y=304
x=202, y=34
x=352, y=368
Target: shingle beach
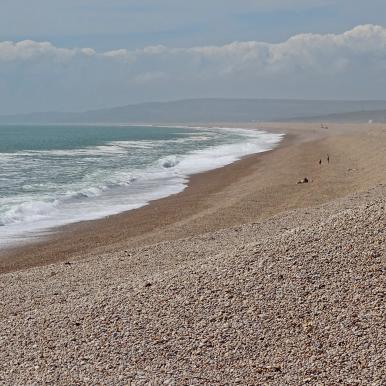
x=288, y=292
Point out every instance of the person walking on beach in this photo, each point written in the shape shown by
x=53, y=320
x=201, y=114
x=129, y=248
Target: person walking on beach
x=328, y=158
x=320, y=162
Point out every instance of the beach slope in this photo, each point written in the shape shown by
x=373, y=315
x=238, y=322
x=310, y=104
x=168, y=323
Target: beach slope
x=284, y=285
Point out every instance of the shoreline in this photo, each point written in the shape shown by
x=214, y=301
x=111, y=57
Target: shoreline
x=191, y=211
x=246, y=278
x=169, y=175
x=39, y=252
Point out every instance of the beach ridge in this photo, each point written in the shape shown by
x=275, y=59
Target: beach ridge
x=261, y=281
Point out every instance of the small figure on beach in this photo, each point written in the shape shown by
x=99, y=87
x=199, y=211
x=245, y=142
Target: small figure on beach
x=320, y=162
x=328, y=158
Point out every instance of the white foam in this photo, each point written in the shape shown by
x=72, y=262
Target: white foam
x=124, y=190
x=28, y=212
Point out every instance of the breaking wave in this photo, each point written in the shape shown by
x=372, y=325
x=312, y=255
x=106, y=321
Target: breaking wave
x=105, y=191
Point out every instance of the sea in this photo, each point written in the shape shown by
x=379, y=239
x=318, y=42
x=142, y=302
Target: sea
x=52, y=175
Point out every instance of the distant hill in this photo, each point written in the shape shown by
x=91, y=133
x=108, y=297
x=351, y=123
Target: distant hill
x=354, y=117
x=212, y=110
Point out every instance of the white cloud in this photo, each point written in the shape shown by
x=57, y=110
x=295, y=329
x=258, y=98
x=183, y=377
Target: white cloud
x=121, y=54
x=306, y=60
x=88, y=51
x=30, y=50
x=304, y=50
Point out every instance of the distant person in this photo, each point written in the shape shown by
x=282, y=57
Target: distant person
x=328, y=158
x=320, y=162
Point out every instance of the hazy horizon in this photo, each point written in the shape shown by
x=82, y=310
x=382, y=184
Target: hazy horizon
x=79, y=56
x=195, y=111
x=172, y=101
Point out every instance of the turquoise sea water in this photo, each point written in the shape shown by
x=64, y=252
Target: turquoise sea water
x=54, y=175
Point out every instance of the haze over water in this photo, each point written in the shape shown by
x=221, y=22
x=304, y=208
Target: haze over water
x=54, y=175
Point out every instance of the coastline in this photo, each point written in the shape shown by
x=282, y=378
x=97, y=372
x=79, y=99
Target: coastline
x=212, y=200
x=285, y=287
x=70, y=241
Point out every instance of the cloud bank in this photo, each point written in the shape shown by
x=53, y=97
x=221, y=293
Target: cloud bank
x=40, y=76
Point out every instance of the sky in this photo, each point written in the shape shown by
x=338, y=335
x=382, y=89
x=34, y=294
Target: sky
x=74, y=55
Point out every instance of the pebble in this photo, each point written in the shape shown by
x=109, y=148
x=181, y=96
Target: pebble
x=295, y=299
